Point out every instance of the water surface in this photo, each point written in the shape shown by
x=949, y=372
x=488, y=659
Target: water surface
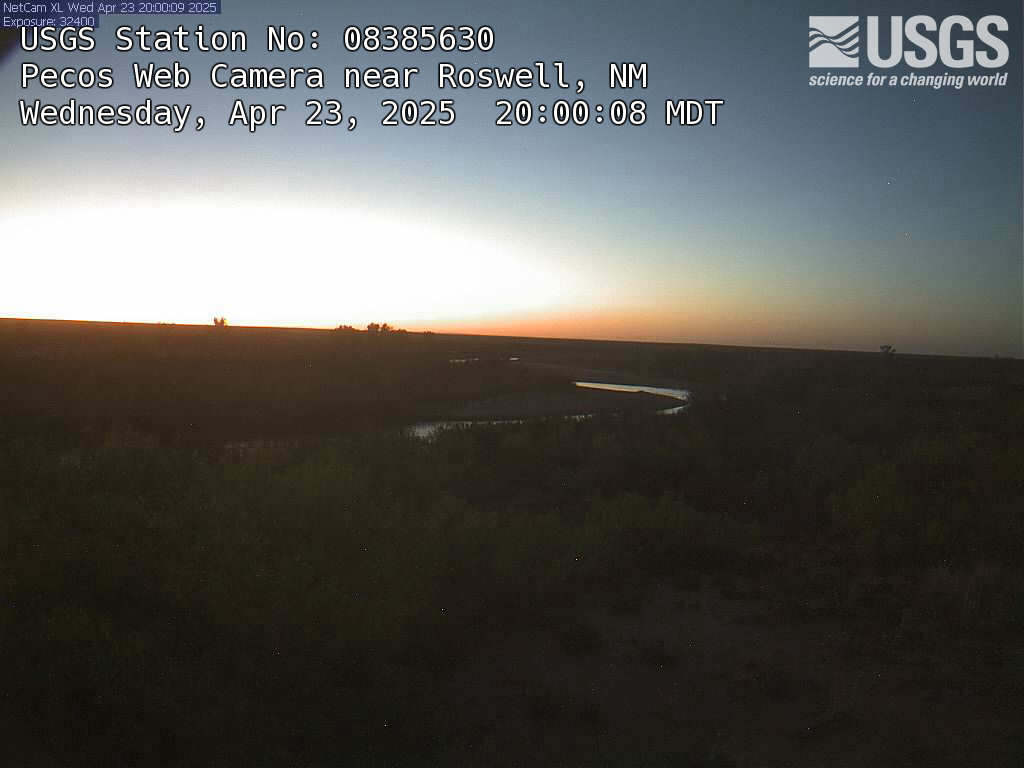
x=427, y=430
x=673, y=392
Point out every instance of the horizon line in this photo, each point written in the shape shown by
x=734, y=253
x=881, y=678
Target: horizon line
x=427, y=331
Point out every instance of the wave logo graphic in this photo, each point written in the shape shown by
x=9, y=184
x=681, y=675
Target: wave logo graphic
x=833, y=41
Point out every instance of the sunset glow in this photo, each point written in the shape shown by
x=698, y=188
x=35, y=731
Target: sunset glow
x=806, y=216
x=271, y=265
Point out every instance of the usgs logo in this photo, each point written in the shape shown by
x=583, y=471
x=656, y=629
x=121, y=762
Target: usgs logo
x=918, y=41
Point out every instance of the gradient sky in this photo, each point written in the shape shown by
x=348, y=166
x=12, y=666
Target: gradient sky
x=818, y=217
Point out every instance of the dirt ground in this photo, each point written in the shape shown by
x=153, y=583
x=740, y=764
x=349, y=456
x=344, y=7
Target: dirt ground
x=734, y=683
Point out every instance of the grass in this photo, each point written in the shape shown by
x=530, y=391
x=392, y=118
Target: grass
x=172, y=602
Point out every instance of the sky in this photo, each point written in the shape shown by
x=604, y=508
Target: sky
x=811, y=217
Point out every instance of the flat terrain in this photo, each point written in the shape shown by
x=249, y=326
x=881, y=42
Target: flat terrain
x=224, y=547
x=246, y=383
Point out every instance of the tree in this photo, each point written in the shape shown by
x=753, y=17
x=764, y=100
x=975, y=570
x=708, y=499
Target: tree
x=383, y=328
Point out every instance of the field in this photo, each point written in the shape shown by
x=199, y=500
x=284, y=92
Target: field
x=222, y=546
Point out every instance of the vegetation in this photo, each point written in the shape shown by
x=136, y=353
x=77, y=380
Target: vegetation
x=383, y=328
x=824, y=547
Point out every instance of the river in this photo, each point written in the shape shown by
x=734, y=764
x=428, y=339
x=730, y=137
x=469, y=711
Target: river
x=427, y=430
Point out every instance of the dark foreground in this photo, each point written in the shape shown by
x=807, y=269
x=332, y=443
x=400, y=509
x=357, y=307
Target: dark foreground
x=221, y=548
